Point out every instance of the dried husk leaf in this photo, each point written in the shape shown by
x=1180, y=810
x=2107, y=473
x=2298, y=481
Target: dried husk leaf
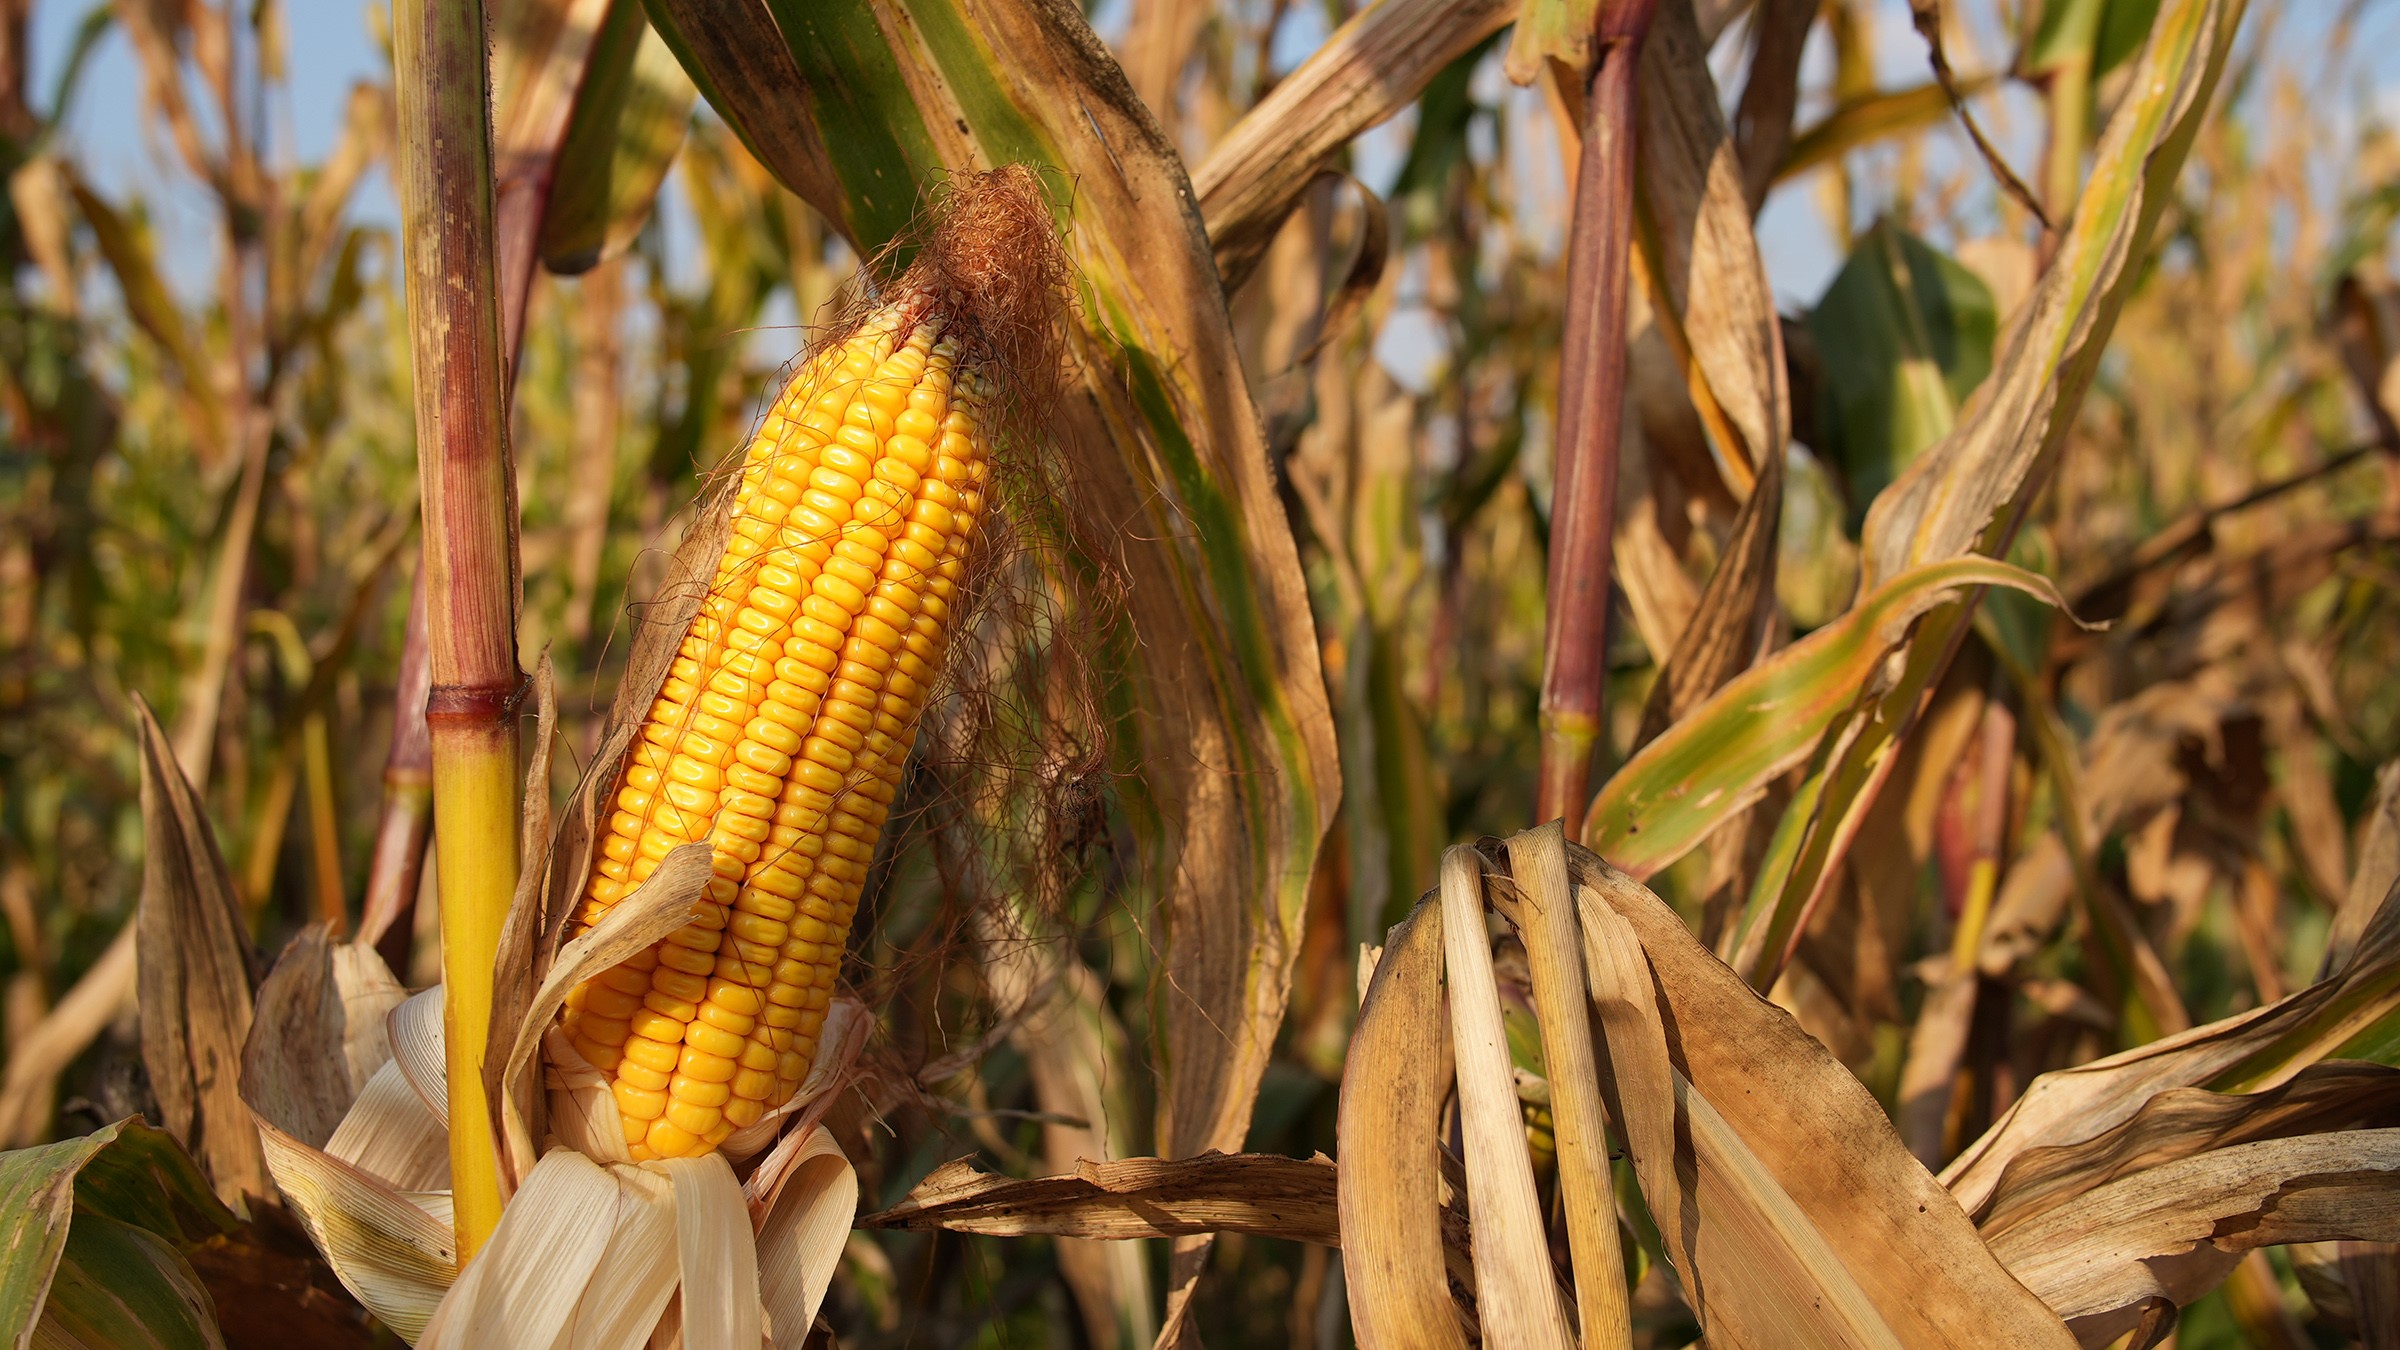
x=1394, y=1082
x=1516, y=1299
x=1367, y=70
x=2175, y=1231
x=717, y=1254
x=2247, y=1052
x=197, y=972
x=1796, y=1217
x=394, y=1256
x=2181, y=1122
x=636, y=1275
x=1697, y=215
x=389, y=1133
x=523, y=1288
x=295, y=1066
x=1553, y=954
x=654, y=909
x=513, y=1088
x=369, y=993
x=2377, y=871
x=806, y=1224
x=1271, y=1196
x=415, y=1031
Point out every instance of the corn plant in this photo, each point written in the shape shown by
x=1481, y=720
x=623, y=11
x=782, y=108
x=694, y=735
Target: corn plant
x=977, y=682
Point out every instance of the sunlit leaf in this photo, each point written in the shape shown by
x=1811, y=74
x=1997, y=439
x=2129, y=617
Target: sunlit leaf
x=1719, y=758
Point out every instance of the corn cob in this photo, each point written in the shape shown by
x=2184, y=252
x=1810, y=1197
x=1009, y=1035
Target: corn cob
x=780, y=734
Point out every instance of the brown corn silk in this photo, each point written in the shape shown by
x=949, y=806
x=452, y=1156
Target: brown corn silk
x=782, y=729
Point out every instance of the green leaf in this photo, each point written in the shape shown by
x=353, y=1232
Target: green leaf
x=629, y=120
x=2122, y=31
x=1966, y=493
x=1904, y=334
x=92, y=1221
x=2068, y=31
x=119, y=1287
x=1222, y=707
x=1720, y=757
x=2107, y=32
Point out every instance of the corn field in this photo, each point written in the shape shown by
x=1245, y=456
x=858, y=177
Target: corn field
x=1401, y=673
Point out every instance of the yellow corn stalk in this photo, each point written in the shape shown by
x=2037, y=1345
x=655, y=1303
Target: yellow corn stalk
x=781, y=731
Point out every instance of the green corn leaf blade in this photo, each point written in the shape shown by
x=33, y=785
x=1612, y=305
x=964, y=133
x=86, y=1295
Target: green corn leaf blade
x=860, y=109
x=119, y=1287
x=1718, y=759
x=2067, y=34
x=629, y=120
x=93, y=1221
x=1966, y=494
x=1904, y=334
x=2108, y=32
x=1978, y=476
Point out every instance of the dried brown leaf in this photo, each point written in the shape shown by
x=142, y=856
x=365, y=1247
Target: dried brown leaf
x=1394, y=1083
x=1368, y=70
x=1270, y=1196
x=2174, y=1231
x=197, y=972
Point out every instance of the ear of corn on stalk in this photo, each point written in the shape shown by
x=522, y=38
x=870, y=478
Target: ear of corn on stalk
x=781, y=731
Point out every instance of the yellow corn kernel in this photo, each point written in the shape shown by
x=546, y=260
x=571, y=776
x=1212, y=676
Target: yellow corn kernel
x=782, y=730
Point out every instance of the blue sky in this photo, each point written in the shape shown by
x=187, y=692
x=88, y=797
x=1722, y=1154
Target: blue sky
x=332, y=47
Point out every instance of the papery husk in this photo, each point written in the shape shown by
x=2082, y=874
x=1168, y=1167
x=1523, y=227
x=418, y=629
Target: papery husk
x=582, y=1256
x=390, y=1134
x=415, y=1028
x=524, y=1288
x=394, y=1255
x=718, y=1252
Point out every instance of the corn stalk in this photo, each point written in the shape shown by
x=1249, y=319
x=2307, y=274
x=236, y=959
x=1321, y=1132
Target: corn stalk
x=467, y=480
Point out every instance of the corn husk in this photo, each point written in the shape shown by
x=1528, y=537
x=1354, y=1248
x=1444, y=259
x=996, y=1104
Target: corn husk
x=593, y=1251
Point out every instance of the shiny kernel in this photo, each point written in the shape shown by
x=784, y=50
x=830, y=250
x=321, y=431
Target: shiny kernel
x=672, y=1013
x=706, y=1067
x=639, y=1075
x=696, y=1092
x=684, y=961
x=697, y=938
x=725, y=1019
x=753, y=928
x=664, y=1028
x=840, y=591
x=669, y=1140
x=625, y=981
x=639, y=1103
x=611, y=1003
x=698, y=1120
x=753, y=1084
x=650, y=1055
x=705, y=1038
x=742, y=1114
x=675, y=979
